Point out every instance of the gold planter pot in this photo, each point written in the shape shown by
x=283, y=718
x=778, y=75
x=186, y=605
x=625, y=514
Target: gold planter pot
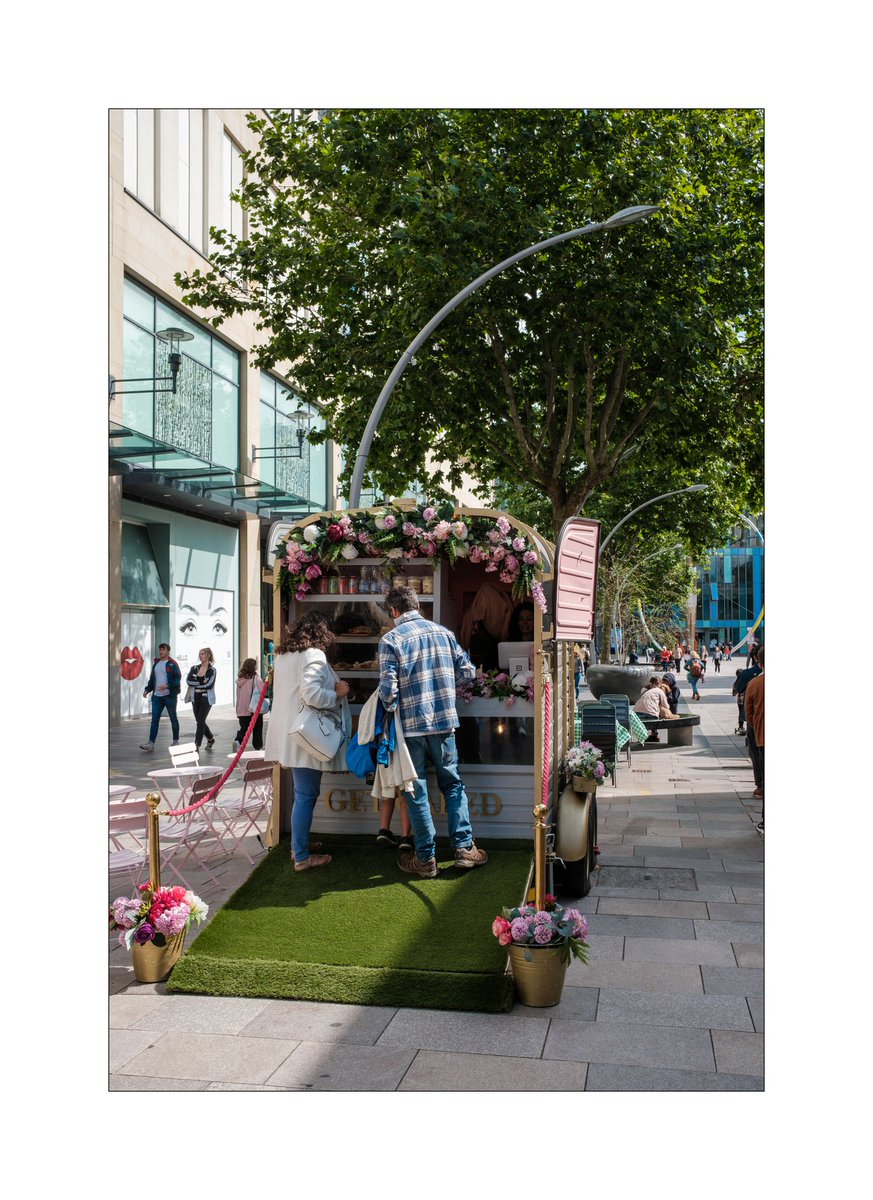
x=539, y=983
x=584, y=785
x=153, y=963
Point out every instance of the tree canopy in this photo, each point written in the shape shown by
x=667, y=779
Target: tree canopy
x=614, y=360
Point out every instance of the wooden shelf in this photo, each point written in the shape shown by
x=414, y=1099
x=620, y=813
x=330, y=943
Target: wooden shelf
x=342, y=597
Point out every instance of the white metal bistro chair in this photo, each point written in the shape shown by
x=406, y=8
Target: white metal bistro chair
x=128, y=839
x=193, y=832
x=242, y=813
x=186, y=755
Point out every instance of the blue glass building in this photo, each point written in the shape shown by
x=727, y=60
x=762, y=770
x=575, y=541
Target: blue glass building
x=730, y=591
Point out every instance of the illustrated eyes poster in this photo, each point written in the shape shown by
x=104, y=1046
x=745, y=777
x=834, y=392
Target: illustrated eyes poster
x=205, y=617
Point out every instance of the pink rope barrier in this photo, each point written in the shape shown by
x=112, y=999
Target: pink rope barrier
x=179, y=812
x=547, y=740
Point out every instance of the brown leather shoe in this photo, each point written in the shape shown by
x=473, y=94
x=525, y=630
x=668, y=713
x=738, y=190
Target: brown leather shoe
x=314, y=860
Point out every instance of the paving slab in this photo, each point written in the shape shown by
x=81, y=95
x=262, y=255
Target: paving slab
x=433, y=1071
x=605, y=949
x=145, y=1083
x=756, y=1008
x=678, y=950
x=728, y=931
x=716, y=876
x=249, y=1087
x=220, y=1058
x=631, y=1045
x=126, y=1010
x=749, y=895
x=669, y=927
x=125, y=1044
x=748, y=954
x=739, y=1053
x=732, y=981
x=341, y=1067
x=198, y=1014
x=658, y=1008
x=631, y=907
x=642, y=976
x=736, y=912
x=610, y=1078
x=483, y=1033
x=710, y=891
x=304, y=1021
x=578, y=1003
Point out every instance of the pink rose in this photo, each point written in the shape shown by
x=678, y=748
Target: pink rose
x=530, y=557
x=429, y=549
x=476, y=554
x=500, y=925
x=503, y=525
x=442, y=531
x=428, y=514
x=518, y=544
x=408, y=529
x=498, y=553
x=390, y=522
x=511, y=562
x=313, y=572
x=495, y=536
x=335, y=533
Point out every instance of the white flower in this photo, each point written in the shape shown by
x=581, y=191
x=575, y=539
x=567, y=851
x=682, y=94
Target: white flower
x=461, y=549
x=379, y=522
x=349, y=551
x=459, y=529
x=310, y=533
x=396, y=552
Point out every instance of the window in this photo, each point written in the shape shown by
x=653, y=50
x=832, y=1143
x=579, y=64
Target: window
x=163, y=165
x=203, y=416
x=305, y=476
x=231, y=180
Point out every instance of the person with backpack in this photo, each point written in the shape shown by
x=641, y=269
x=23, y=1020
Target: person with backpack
x=695, y=674
x=717, y=656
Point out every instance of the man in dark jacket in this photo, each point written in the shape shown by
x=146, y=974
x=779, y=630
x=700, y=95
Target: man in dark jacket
x=164, y=684
x=744, y=678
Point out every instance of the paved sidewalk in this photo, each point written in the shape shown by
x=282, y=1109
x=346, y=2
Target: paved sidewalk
x=671, y=999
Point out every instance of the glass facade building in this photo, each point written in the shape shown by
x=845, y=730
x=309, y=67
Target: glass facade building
x=730, y=593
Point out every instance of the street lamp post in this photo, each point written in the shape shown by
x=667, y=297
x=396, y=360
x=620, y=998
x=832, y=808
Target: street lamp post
x=695, y=487
x=624, y=217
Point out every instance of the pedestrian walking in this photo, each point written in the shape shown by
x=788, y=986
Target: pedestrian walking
x=745, y=675
x=755, y=730
x=695, y=674
x=201, y=682
x=717, y=656
x=302, y=677
x=247, y=682
x=420, y=665
x=666, y=658
x=164, y=685
x=704, y=656
x=677, y=657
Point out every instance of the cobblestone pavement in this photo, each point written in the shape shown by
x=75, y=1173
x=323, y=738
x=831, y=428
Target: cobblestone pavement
x=671, y=999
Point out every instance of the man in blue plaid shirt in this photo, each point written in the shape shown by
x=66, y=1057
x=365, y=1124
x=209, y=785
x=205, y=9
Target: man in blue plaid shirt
x=420, y=663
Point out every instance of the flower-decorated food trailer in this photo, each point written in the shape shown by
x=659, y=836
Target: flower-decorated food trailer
x=472, y=568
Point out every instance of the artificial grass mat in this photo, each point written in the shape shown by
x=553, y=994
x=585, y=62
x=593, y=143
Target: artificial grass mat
x=359, y=931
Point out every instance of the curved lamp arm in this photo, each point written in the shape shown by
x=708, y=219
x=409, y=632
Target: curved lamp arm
x=624, y=217
x=695, y=487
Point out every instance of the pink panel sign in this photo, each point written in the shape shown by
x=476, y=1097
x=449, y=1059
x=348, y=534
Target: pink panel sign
x=576, y=579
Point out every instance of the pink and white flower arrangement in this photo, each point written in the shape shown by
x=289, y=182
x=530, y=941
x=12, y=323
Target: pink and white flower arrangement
x=390, y=533
x=586, y=760
x=551, y=926
x=496, y=685
x=155, y=914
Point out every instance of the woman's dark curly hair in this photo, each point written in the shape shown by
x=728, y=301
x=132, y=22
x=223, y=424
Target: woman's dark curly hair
x=311, y=631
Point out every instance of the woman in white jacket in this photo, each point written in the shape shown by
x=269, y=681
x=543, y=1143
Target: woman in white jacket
x=302, y=676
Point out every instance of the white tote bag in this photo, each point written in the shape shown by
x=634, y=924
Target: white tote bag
x=318, y=731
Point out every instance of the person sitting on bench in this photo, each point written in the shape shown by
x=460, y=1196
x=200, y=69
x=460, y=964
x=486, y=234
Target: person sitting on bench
x=653, y=703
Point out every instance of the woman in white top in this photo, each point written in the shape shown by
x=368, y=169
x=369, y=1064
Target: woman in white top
x=303, y=676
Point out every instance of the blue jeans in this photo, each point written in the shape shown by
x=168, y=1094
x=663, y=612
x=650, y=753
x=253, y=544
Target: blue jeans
x=307, y=785
x=159, y=703
x=694, y=683
x=440, y=751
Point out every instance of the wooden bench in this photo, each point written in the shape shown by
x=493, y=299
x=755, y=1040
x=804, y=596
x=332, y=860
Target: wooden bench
x=679, y=730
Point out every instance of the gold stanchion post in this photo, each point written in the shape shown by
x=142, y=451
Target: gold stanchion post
x=540, y=811
x=153, y=799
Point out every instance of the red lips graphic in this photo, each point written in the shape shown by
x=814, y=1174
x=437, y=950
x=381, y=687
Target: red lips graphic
x=131, y=662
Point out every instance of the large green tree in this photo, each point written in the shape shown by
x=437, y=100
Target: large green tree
x=630, y=355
